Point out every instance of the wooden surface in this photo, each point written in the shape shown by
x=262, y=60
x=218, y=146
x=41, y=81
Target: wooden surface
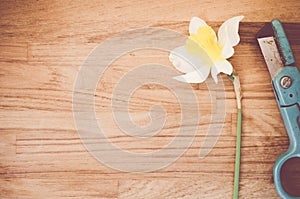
x=42, y=46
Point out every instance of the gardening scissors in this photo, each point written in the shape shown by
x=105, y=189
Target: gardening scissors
x=279, y=58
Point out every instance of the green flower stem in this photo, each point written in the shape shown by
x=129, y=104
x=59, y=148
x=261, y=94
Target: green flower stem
x=238, y=94
x=237, y=155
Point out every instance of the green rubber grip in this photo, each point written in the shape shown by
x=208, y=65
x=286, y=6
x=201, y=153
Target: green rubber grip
x=288, y=100
x=283, y=43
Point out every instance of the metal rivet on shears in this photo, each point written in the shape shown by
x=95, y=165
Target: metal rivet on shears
x=286, y=82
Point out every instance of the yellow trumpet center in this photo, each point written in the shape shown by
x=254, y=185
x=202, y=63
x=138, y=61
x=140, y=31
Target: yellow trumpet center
x=207, y=40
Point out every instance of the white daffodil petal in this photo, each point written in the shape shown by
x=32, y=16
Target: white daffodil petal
x=214, y=73
x=227, y=50
x=197, y=76
x=229, y=31
x=224, y=67
x=195, y=23
x=221, y=67
x=183, y=61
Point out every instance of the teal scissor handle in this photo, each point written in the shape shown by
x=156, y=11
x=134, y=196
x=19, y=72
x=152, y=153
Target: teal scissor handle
x=288, y=99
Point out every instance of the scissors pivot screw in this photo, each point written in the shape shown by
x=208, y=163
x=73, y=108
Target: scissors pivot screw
x=286, y=82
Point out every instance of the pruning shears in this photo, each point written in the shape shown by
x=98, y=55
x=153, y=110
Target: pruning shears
x=279, y=58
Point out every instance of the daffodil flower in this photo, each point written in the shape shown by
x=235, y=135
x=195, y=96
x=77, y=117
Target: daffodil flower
x=204, y=52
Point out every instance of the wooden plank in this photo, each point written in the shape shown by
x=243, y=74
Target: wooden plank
x=213, y=186
x=13, y=52
x=52, y=188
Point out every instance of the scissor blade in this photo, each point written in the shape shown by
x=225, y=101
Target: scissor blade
x=271, y=55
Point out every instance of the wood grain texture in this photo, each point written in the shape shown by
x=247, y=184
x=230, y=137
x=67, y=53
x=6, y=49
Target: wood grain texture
x=42, y=46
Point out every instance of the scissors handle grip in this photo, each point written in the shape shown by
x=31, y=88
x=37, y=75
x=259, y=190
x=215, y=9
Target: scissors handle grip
x=288, y=99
